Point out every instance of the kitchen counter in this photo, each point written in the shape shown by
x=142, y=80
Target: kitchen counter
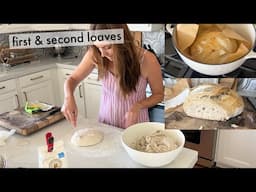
x=21, y=151
x=36, y=66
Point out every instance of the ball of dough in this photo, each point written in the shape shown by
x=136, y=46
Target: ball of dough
x=87, y=137
x=212, y=47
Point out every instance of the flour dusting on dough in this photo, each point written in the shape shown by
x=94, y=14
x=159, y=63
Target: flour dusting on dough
x=157, y=142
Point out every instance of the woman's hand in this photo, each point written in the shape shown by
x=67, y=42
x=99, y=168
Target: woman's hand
x=69, y=110
x=131, y=117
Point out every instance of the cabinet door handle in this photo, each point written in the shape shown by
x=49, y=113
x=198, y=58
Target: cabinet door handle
x=93, y=78
x=2, y=87
x=35, y=78
x=80, y=92
x=25, y=94
x=67, y=74
x=92, y=83
x=17, y=97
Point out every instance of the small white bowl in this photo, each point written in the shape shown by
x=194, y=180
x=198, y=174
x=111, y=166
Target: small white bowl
x=136, y=131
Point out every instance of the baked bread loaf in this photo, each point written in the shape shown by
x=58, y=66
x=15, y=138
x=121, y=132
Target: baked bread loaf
x=213, y=47
x=213, y=102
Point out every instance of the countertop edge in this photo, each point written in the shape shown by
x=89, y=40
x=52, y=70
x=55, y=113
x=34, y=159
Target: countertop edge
x=37, y=66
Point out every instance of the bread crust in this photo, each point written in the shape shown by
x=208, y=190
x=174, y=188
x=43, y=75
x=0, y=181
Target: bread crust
x=213, y=102
x=212, y=47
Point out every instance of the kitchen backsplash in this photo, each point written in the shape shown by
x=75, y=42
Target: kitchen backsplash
x=156, y=40
x=74, y=51
x=3, y=40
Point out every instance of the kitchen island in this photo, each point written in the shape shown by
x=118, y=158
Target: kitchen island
x=21, y=151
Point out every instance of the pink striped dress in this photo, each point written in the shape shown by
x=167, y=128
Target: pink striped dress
x=114, y=106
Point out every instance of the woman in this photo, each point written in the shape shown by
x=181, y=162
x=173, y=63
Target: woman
x=124, y=70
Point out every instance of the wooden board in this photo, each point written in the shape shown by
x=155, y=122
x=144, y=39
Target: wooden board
x=26, y=124
x=177, y=119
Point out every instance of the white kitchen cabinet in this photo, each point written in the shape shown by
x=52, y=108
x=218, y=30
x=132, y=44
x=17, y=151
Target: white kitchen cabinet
x=9, y=99
x=146, y=27
x=92, y=95
x=236, y=149
x=78, y=94
x=37, y=87
x=34, y=78
x=34, y=87
x=42, y=92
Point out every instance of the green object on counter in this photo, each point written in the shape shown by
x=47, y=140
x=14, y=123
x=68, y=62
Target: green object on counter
x=31, y=109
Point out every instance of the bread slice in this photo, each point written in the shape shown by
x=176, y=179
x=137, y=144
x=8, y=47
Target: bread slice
x=213, y=102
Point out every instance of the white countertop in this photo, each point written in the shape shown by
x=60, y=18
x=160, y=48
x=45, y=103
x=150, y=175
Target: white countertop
x=36, y=66
x=39, y=65
x=21, y=151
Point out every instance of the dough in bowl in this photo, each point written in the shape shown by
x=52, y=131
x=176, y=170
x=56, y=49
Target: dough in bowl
x=87, y=137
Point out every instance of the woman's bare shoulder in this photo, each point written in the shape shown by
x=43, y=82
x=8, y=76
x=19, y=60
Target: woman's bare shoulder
x=149, y=63
x=149, y=58
x=85, y=66
x=88, y=57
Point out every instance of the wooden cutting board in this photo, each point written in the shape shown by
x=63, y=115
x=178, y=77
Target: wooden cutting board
x=177, y=119
x=25, y=123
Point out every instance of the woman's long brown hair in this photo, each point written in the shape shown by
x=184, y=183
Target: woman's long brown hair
x=125, y=59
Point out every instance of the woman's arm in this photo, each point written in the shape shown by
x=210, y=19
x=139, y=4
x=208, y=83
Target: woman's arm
x=69, y=108
x=151, y=70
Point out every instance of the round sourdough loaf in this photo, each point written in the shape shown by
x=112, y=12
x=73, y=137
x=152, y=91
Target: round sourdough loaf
x=212, y=47
x=213, y=102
